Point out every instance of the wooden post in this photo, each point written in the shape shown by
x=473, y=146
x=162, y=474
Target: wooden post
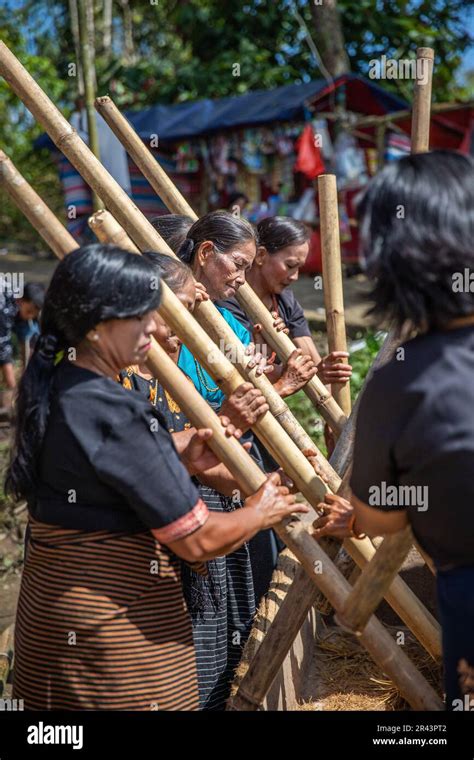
x=421, y=115
x=250, y=478
x=375, y=638
x=376, y=577
x=332, y=279
x=268, y=659
x=252, y=305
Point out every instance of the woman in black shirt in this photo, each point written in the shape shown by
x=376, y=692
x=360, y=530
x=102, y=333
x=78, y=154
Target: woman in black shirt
x=414, y=444
x=101, y=620
x=283, y=246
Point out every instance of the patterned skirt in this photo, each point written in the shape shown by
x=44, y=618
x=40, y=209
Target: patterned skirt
x=222, y=608
x=102, y=624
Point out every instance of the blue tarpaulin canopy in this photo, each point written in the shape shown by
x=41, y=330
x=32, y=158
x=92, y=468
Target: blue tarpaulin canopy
x=189, y=120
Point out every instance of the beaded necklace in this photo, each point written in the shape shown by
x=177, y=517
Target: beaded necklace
x=201, y=378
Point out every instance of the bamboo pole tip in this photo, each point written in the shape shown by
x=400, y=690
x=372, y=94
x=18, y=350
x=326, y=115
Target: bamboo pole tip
x=102, y=100
x=425, y=52
x=97, y=217
x=327, y=179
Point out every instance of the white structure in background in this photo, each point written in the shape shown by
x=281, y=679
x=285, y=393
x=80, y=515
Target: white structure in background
x=112, y=153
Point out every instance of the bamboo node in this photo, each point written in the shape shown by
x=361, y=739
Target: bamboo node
x=339, y=620
x=66, y=136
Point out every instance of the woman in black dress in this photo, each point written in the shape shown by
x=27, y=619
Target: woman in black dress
x=221, y=602
x=283, y=246
x=414, y=440
x=101, y=620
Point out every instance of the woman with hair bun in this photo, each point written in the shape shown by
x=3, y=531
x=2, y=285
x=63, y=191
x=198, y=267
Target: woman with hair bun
x=220, y=595
x=101, y=620
x=173, y=228
x=221, y=248
x=283, y=246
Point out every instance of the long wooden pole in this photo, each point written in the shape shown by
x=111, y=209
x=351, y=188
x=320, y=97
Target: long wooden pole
x=268, y=430
x=269, y=657
x=420, y=125
x=373, y=582
x=378, y=575
x=332, y=279
x=32, y=206
x=249, y=476
x=399, y=595
x=252, y=305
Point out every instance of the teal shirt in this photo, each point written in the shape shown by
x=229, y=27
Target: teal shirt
x=200, y=378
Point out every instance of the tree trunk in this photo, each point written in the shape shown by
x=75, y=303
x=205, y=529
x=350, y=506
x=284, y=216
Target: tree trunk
x=107, y=27
x=73, y=12
x=89, y=83
x=129, y=46
x=329, y=37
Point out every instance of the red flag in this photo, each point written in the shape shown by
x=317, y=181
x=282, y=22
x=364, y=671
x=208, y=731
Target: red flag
x=309, y=160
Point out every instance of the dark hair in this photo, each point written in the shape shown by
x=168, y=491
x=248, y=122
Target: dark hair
x=172, y=228
x=90, y=285
x=34, y=292
x=416, y=231
x=277, y=232
x=173, y=271
x=233, y=197
x=221, y=227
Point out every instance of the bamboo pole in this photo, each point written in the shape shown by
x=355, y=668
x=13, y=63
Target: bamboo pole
x=399, y=595
x=269, y=657
x=375, y=638
x=257, y=312
x=267, y=428
x=420, y=129
x=145, y=236
x=35, y=210
x=376, y=577
x=341, y=457
x=250, y=478
x=332, y=279
x=269, y=431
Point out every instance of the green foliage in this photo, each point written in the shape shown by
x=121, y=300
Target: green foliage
x=361, y=362
x=186, y=49
x=18, y=130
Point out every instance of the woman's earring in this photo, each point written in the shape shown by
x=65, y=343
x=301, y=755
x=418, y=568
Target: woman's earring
x=96, y=337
